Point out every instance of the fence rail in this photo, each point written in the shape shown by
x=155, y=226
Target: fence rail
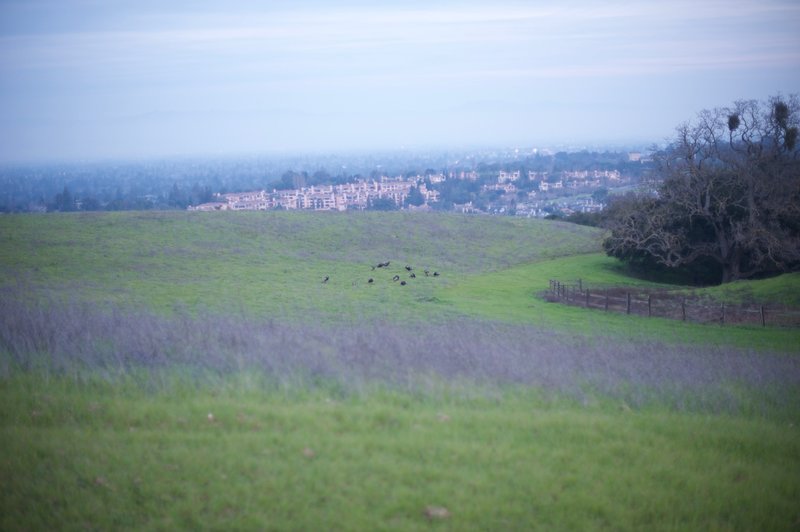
x=666, y=304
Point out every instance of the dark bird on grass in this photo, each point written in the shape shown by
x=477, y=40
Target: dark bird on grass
x=402, y=283
x=396, y=278
x=325, y=280
x=408, y=268
x=371, y=280
x=413, y=275
x=436, y=274
x=427, y=273
x=383, y=264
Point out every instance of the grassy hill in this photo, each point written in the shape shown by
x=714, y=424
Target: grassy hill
x=272, y=265
x=192, y=370
x=269, y=263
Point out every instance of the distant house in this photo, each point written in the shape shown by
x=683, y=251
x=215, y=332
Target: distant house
x=538, y=176
x=466, y=208
x=504, y=177
x=507, y=188
x=212, y=206
x=546, y=186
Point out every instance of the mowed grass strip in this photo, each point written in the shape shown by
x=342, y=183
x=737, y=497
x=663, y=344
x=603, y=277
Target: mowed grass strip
x=103, y=457
x=515, y=295
x=781, y=290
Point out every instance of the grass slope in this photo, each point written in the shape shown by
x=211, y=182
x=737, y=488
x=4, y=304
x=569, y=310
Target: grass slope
x=94, y=434
x=269, y=263
x=782, y=289
x=100, y=457
x=510, y=295
x=272, y=264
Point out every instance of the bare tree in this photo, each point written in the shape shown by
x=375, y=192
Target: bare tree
x=726, y=192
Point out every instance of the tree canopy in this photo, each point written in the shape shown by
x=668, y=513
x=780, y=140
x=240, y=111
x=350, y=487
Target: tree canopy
x=724, y=199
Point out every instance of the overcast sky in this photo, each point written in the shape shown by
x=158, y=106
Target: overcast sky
x=109, y=78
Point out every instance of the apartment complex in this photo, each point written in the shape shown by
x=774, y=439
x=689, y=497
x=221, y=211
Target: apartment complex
x=356, y=195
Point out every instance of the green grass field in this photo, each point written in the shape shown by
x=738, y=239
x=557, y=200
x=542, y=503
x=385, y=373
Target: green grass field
x=510, y=295
x=273, y=264
x=268, y=263
x=229, y=388
x=101, y=458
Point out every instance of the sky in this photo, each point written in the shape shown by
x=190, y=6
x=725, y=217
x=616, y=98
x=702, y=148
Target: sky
x=99, y=79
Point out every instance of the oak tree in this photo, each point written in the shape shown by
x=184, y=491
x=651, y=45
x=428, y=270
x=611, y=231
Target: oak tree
x=725, y=195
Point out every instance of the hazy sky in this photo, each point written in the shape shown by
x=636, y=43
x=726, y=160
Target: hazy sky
x=108, y=78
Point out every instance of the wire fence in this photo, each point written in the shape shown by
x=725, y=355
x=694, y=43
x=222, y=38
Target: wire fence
x=672, y=305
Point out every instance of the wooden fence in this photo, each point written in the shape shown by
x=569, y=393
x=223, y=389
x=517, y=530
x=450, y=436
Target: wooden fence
x=667, y=304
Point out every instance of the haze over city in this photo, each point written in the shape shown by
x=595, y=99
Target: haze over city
x=87, y=79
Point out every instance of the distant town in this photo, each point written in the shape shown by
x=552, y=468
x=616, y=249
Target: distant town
x=542, y=194
x=537, y=182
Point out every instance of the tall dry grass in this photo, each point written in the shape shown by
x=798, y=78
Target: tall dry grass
x=82, y=340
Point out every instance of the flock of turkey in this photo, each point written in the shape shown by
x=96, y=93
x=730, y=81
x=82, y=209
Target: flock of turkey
x=396, y=277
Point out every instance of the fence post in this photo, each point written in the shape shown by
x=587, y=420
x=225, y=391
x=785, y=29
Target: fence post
x=683, y=309
x=763, y=318
x=580, y=285
x=628, y=303
x=649, y=305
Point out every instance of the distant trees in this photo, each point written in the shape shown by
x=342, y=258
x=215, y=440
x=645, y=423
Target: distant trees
x=63, y=201
x=415, y=197
x=725, y=201
x=91, y=204
x=382, y=204
x=291, y=180
x=592, y=219
x=183, y=197
x=600, y=195
x=456, y=191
